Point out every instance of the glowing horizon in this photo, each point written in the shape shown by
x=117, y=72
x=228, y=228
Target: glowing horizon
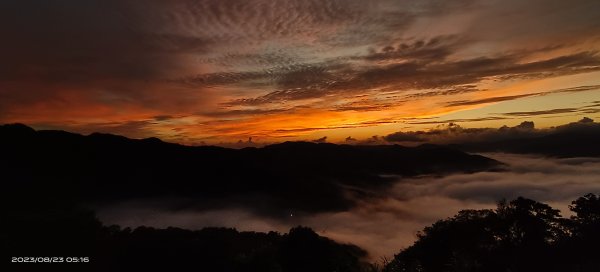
x=221, y=71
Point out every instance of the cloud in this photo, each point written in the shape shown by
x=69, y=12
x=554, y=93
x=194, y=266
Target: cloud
x=404, y=137
x=79, y=41
x=504, y=138
x=542, y=112
x=513, y=97
x=433, y=73
x=543, y=179
x=488, y=100
x=434, y=49
x=463, y=120
x=238, y=59
x=410, y=205
x=321, y=140
x=453, y=133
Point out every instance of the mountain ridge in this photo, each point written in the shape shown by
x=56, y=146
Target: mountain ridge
x=299, y=176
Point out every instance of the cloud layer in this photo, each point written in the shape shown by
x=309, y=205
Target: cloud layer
x=390, y=221
x=505, y=138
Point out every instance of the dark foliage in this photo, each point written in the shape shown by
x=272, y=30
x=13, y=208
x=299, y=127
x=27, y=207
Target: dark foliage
x=521, y=235
x=71, y=232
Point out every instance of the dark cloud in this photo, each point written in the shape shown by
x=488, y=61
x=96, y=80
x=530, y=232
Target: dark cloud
x=452, y=133
x=527, y=125
x=76, y=41
x=489, y=100
x=404, y=137
x=162, y=117
x=542, y=112
x=299, y=82
x=321, y=140
x=424, y=67
x=432, y=74
x=577, y=89
x=91, y=60
x=576, y=139
x=245, y=112
x=513, y=97
x=285, y=76
x=365, y=106
x=437, y=122
x=374, y=140
x=215, y=79
x=435, y=49
x=309, y=129
x=445, y=92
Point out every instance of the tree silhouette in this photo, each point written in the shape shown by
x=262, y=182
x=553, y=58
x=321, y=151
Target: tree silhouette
x=60, y=230
x=584, y=242
x=303, y=250
x=520, y=235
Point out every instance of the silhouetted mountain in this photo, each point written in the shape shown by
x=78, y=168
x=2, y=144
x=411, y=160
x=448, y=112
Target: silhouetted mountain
x=49, y=179
x=298, y=176
x=579, y=139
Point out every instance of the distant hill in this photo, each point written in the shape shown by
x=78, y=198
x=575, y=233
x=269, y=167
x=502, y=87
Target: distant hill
x=298, y=176
x=579, y=139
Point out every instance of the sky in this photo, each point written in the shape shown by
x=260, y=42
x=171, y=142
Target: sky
x=220, y=71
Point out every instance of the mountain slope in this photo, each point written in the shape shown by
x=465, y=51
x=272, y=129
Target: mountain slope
x=298, y=176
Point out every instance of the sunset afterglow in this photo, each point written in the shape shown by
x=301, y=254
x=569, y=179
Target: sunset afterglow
x=215, y=72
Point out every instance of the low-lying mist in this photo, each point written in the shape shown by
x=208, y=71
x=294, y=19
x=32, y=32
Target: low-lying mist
x=389, y=220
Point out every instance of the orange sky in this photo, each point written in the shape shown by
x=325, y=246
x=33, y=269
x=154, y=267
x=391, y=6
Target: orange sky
x=216, y=72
